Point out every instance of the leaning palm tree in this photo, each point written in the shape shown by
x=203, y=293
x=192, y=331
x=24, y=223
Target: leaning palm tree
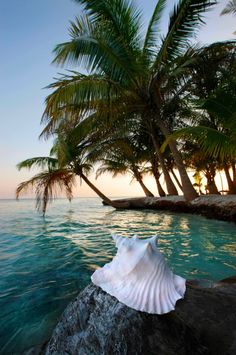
x=128, y=72
x=122, y=164
x=68, y=159
x=48, y=183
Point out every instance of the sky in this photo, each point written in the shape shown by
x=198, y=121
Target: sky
x=29, y=30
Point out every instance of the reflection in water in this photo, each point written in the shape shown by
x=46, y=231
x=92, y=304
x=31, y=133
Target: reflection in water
x=44, y=262
x=184, y=226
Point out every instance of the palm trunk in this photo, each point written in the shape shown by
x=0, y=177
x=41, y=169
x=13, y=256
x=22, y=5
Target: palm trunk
x=169, y=183
x=210, y=176
x=221, y=181
x=160, y=190
x=138, y=177
x=234, y=172
x=101, y=195
x=231, y=186
x=145, y=189
x=188, y=189
x=212, y=188
x=176, y=179
x=95, y=189
x=156, y=175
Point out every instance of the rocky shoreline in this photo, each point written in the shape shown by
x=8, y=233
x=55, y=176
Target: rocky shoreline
x=204, y=322
x=211, y=206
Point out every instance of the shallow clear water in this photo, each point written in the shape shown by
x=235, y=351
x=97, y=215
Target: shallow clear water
x=44, y=262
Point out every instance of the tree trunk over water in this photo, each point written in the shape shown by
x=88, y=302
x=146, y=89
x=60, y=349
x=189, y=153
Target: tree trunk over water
x=101, y=195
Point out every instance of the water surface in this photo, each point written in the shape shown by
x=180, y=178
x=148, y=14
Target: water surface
x=44, y=262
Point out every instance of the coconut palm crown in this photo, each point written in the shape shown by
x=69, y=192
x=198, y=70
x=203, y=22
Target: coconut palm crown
x=128, y=72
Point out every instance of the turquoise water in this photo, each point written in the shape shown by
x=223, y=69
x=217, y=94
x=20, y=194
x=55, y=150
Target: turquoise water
x=44, y=262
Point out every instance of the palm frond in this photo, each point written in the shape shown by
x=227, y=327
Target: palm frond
x=213, y=143
x=112, y=167
x=74, y=96
x=122, y=16
x=153, y=30
x=185, y=19
x=230, y=8
x=96, y=48
x=83, y=129
x=38, y=162
x=83, y=91
x=47, y=184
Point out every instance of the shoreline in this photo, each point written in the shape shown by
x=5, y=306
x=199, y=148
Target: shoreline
x=210, y=206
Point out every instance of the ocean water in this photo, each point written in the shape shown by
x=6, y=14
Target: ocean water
x=45, y=262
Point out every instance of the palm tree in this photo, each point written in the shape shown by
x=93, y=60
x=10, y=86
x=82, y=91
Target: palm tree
x=201, y=163
x=212, y=89
x=130, y=149
x=48, y=182
x=126, y=71
x=71, y=159
x=150, y=156
x=230, y=8
x=216, y=133
x=155, y=171
x=121, y=161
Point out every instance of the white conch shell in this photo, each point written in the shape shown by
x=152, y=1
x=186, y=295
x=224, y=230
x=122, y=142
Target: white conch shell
x=139, y=277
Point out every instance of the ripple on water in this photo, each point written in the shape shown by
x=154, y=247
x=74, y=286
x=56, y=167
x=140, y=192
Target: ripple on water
x=44, y=262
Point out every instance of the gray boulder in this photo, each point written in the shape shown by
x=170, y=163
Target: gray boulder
x=97, y=324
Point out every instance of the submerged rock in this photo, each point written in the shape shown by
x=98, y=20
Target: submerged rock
x=97, y=324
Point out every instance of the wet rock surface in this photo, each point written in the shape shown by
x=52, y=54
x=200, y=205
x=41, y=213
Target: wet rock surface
x=210, y=206
x=204, y=322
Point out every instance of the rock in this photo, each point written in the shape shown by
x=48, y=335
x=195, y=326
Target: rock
x=210, y=206
x=97, y=324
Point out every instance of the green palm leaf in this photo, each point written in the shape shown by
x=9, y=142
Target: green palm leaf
x=184, y=21
x=123, y=17
x=230, y=8
x=74, y=96
x=38, y=162
x=213, y=143
x=47, y=184
x=153, y=30
x=95, y=47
